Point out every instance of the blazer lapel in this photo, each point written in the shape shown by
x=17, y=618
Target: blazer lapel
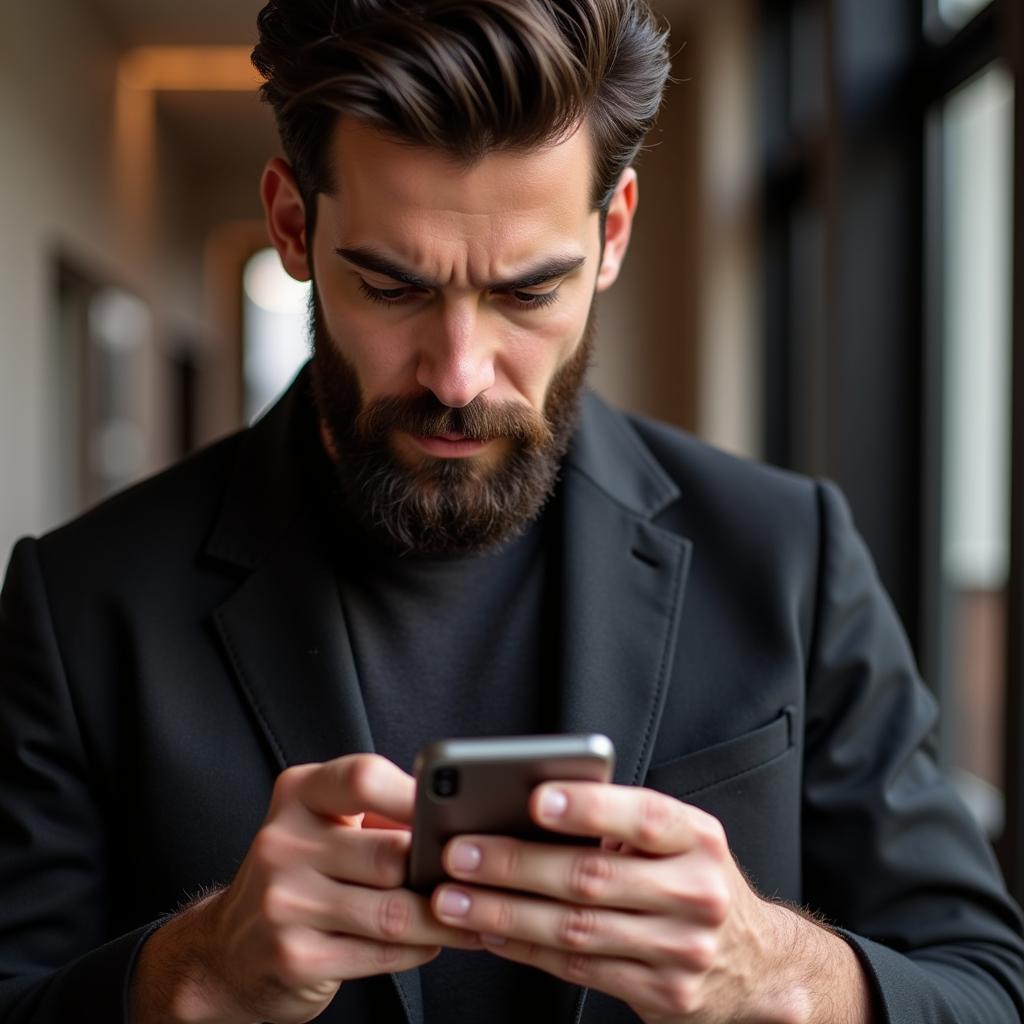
x=285, y=636
x=623, y=581
x=283, y=630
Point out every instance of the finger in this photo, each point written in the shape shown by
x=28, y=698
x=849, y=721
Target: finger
x=647, y=820
x=644, y=988
x=349, y=785
x=395, y=916
x=648, y=938
x=297, y=843
x=689, y=887
x=374, y=857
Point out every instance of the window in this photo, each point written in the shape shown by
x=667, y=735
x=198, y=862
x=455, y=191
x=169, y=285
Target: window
x=956, y=13
x=976, y=175
x=275, y=324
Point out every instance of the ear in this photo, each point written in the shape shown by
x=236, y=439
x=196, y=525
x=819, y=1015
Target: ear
x=617, y=227
x=286, y=217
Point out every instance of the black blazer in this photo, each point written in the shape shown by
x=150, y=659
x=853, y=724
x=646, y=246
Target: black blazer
x=163, y=657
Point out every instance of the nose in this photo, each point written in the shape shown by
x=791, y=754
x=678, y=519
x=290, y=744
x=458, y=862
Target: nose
x=456, y=360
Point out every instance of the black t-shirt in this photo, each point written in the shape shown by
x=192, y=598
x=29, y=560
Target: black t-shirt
x=458, y=646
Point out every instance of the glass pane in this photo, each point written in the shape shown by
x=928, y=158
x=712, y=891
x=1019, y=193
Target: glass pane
x=956, y=13
x=977, y=126
x=275, y=325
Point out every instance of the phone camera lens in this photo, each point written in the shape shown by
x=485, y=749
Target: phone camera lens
x=446, y=782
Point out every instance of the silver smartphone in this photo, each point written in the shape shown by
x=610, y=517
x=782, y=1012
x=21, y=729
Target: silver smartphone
x=467, y=786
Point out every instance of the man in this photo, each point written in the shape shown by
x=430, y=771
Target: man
x=428, y=537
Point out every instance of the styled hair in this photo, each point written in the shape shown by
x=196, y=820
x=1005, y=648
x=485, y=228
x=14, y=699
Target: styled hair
x=465, y=77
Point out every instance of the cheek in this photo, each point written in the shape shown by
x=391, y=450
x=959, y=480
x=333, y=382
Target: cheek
x=380, y=352
x=529, y=359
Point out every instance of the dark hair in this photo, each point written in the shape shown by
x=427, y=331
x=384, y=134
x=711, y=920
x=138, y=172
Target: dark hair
x=462, y=76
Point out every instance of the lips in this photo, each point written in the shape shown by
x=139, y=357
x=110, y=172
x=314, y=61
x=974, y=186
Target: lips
x=450, y=445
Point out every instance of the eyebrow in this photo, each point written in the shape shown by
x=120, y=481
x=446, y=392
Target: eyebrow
x=377, y=263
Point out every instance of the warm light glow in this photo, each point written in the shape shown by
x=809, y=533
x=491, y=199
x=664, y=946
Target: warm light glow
x=189, y=68
x=142, y=73
x=271, y=288
x=135, y=164
x=276, y=341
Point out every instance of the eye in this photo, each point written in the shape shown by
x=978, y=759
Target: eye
x=387, y=296
x=534, y=300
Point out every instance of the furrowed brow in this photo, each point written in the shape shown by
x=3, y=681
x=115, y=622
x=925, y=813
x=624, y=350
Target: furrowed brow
x=377, y=263
x=549, y=270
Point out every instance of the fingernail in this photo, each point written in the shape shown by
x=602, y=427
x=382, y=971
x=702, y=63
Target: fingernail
x=553, y=803
x=493, y=940
x=453, y=903
x=465, y=857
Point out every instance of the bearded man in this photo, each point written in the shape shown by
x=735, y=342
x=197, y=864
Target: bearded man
x=214, y=685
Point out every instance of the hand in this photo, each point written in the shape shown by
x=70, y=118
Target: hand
x=659, y=916
x=317, y=901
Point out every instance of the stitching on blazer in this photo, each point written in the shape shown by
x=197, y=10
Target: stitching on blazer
x=401, y=997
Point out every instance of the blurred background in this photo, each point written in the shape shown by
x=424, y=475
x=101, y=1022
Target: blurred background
x=827, y=273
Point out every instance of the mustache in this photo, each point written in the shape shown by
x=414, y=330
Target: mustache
x=425, y=416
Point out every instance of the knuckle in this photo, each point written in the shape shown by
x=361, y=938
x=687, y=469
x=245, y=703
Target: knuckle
x=387, y=863
x=577, y=928
x=704, y=953
x=711, y=835
x=363, y=774
x=504, y=916
x=532, y=954
x=394, y=917
x=277, y=906
x=287, y=782
x=270, y=848
x=290, y=962
x=288, y=777
x=578, y=968
x=387, y=954
x=671, y=894
x=680, y=994
x=695, y=953
x=715, y=903
x=509, y=863
x=589, y=876
x=655, y=817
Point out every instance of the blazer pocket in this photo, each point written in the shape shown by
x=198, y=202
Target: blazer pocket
x=724, y=762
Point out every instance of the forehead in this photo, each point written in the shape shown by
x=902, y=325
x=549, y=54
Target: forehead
x=390, y=194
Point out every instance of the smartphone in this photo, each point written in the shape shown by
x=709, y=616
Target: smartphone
x=473, y=786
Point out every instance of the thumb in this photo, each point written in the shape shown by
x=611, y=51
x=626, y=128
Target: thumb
x=351, y=786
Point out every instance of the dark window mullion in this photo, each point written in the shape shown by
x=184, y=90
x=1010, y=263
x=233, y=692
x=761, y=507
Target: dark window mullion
x=1011, y=30
x=947, y=65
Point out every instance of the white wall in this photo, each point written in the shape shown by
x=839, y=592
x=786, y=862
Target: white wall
x=56, y=109
x=66, y=190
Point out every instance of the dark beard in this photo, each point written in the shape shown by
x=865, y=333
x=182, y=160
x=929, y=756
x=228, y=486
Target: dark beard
x=443, y=506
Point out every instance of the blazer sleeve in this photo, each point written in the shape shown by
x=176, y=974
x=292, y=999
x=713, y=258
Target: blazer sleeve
x=890, y=852
x=57, y=959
